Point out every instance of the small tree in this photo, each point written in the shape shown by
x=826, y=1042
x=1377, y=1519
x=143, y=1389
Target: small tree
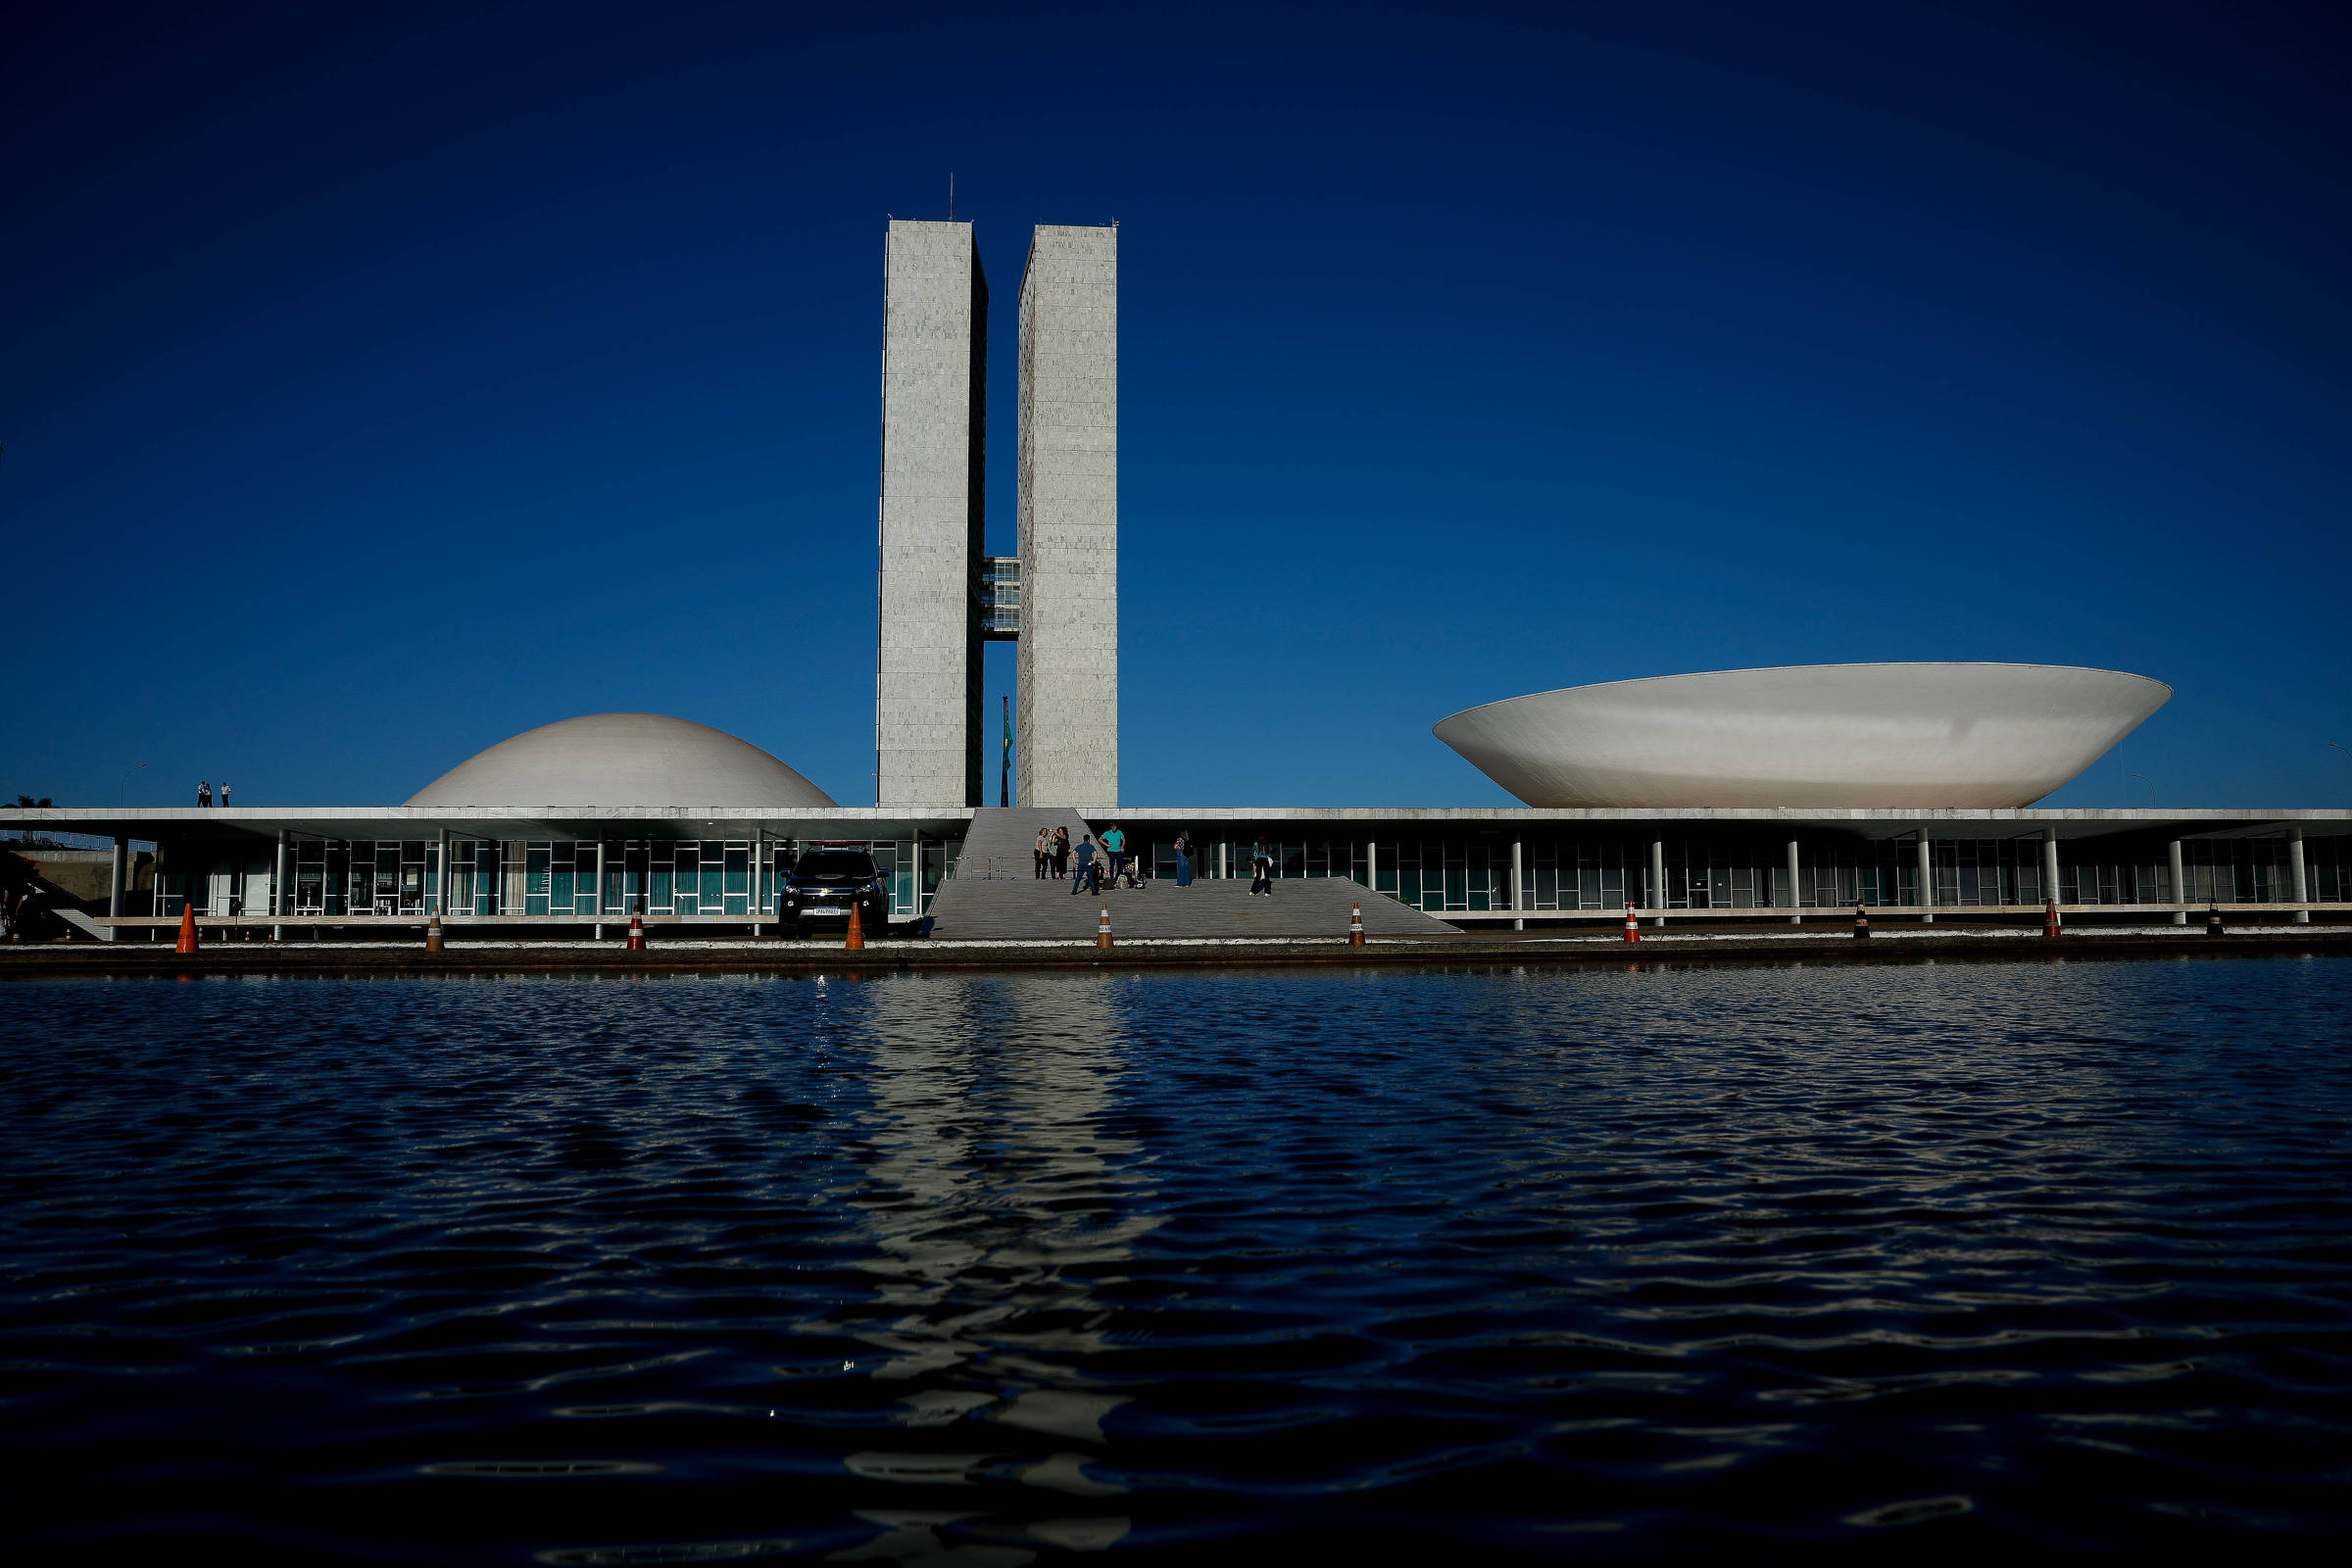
x=27, y=800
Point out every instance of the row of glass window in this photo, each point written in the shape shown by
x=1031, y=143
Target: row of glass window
x=334, y=878
x=1471, y=874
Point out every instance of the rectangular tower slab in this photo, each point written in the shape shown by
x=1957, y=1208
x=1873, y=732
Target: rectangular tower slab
x=1068, y=735
x=927, y=718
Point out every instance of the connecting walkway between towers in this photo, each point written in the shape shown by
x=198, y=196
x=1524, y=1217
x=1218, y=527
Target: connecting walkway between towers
x=994, y=893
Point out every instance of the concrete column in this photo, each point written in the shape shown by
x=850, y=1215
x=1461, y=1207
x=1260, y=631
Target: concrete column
x=1371, y=865
x=599, y=887
x=1796, y=890
x=281, y=885
x=1927, y=879
x=114, y=899
x=1657, y=879
x=2295, y=869
x=1520, y=924
x=2049, y=864
x=2179, y=885
x=441, y=904
x=1224, y=860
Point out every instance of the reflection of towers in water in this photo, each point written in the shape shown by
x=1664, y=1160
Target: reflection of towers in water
x=994, y=1178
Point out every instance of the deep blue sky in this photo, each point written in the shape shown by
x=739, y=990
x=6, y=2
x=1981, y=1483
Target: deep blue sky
x=377, y=383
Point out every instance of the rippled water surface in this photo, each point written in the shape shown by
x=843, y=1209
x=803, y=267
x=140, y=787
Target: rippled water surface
x=1036, y=1267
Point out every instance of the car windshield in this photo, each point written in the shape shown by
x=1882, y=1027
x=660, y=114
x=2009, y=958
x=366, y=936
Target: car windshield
x=855, y=863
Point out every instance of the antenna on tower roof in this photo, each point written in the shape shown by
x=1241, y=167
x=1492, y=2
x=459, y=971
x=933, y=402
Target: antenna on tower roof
x=950, y=196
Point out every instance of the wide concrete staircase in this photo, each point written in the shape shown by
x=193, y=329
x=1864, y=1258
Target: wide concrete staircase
x=995, y=896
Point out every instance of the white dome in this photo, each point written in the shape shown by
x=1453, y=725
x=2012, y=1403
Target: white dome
x=1808, y=735
x=611, y=759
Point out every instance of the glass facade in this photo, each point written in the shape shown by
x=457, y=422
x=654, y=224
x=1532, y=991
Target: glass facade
x=709, y=878
x=1000, y=598
x=1465, y=871
x=1470, y=873
x=2255, y=871
x=364, y=876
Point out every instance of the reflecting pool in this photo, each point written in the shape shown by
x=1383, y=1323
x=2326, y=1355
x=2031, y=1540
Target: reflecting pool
x=1040, y=1267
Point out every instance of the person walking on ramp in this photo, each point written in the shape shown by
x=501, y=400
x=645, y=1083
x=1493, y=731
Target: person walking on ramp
x=1262, y=871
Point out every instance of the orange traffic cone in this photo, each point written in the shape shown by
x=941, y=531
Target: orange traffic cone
x=1355, y=925
x=1632, y=925
x=1103, y=929
x=187, y=929
x=432, y=935
x=637, y=930
x=857, y=941
x=2049, y=919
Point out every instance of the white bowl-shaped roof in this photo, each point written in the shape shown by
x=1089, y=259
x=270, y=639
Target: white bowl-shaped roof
x=622, y=759
x=1808, y=735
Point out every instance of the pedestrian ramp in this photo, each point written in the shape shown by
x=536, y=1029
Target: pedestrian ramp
x=83, y=924
x=994, y=894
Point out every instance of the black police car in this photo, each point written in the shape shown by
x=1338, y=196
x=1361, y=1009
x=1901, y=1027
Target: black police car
x=823, y=885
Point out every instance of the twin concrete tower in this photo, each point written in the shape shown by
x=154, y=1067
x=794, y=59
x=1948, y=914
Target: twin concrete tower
x=943, y=596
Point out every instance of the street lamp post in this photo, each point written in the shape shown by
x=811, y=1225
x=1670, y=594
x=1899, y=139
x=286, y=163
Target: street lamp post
x=123, y=789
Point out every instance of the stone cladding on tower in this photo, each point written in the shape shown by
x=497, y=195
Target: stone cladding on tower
x=928, y=730
x=1068, y=737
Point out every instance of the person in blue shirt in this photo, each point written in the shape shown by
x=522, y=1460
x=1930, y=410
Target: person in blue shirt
x=1114, y=844
x=1090, y=875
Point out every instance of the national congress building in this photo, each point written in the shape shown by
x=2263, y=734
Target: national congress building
x=1731, y=795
